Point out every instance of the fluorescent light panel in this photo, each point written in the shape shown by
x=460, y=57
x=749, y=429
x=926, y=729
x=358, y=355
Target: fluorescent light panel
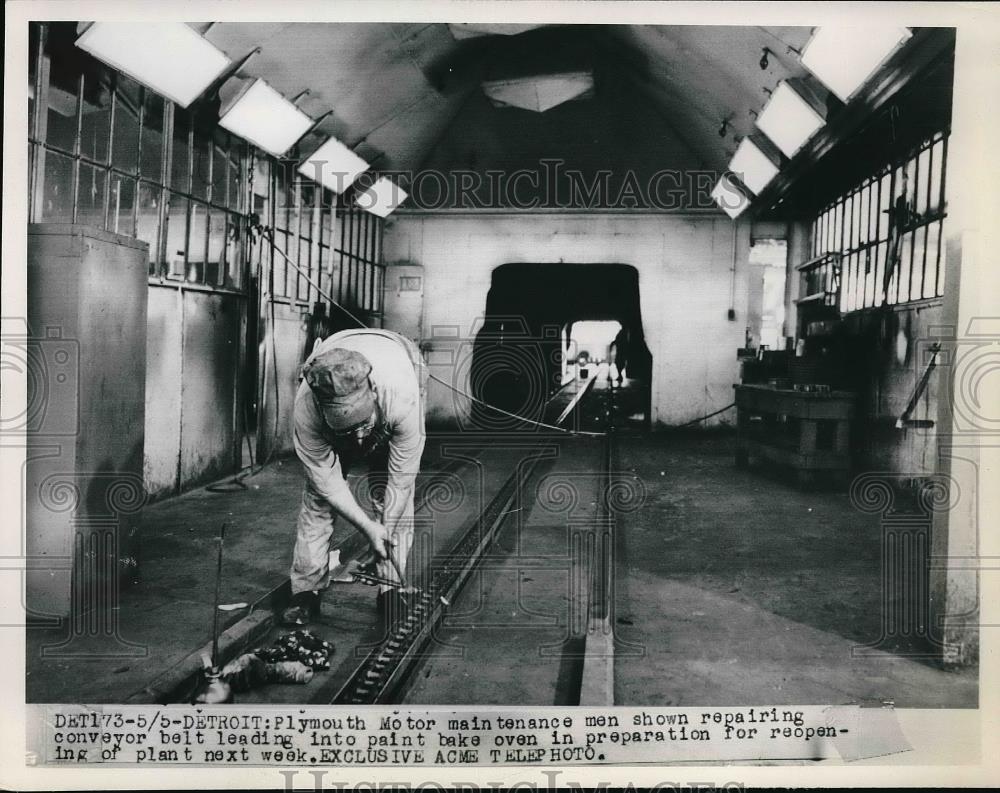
x=752, y=166
x=844, y=58
x=382, y=198
x=788, y=119
x=168, y=57
x=730, y=198
x=265, y=118
x=334, y=166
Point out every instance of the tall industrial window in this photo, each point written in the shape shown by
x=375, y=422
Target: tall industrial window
x=895, y=215
x=106, y=152
x=360, y=273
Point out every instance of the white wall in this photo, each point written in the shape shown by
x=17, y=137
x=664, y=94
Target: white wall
x=686, y=280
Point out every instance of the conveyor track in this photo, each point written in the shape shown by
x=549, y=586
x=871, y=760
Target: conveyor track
x=383, y=672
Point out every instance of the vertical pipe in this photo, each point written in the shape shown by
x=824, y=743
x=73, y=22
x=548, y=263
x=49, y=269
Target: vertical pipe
x=343, y=233
x=109, y=171
x=39, y=128
x=138, y=162
x=74, y=214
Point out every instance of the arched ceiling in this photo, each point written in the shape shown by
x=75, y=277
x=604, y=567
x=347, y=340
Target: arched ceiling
x=394, y=89
x=409, y=96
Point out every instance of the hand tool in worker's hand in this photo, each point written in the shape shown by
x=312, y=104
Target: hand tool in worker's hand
x=365, y=571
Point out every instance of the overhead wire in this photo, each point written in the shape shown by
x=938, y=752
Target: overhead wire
x=269, y=235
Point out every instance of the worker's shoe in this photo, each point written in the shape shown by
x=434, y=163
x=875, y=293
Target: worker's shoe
x=303, y=609
x=392, y=607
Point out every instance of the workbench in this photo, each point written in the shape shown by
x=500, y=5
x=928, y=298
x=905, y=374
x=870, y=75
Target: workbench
x=808, y=431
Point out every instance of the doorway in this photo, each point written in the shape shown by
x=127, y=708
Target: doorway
x=520, y=355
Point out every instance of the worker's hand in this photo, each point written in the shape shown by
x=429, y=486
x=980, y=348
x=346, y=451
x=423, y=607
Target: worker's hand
x=378, y=536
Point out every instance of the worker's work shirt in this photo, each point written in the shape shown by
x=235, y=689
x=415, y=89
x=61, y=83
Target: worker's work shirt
x=397, y=383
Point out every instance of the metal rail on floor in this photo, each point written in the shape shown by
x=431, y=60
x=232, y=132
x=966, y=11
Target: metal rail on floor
x=597, y=678
x=383, y=673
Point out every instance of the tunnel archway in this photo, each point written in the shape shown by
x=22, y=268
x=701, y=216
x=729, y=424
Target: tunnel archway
x=530, y=307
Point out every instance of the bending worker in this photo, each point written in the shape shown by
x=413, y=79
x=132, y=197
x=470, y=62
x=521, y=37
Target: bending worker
x=361, y=398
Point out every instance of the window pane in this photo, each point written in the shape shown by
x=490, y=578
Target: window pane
x=326, y=225
x=855, y=220
x=57, y=205
x=234, y=250
x=201, y=172
x=864, y=216
x=34, y=37
x=280, y=274
x=942, y=258
x=879, y=272
x=122, y=198
x=930, y=277
x=176, y=235
x=281, y=196
x=152, y=136
x=858, y=276
x=220, y=166
x=125, y=153
x=838, y=227
x=938, y=158
x=95, y=125
x=215, y=270
x=923, y=180
x=911, y=181
x=90, y=197
x=149, y=215
x=180, y=164
x=236, y=152
x=61, y=130
x=197, y=239
x=885, y=201
x=867, y=276
x=307, y=202
x=903, y=280
x=917, y=273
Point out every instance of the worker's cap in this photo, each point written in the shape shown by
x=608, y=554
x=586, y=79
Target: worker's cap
x=339, y=380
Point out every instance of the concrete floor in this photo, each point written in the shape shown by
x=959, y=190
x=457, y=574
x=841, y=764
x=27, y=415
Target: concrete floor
x=734, y=587
x=168, y=614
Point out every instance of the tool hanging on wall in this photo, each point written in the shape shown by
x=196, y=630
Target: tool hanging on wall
x=904, y=420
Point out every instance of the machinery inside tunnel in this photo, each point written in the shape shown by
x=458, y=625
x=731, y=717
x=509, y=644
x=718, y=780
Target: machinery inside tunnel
x=530, y=310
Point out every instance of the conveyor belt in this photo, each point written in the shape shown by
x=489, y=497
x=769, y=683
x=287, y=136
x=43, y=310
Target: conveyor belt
x=381, y=675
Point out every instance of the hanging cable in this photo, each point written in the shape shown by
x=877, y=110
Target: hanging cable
x=269, y=235
x=703, y=418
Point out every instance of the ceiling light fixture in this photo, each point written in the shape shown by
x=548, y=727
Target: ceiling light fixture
x=265, y=118
x=382, y=198
x=753, y=167
x=168, y=57
x=764, y=63
x=540, y=92
x=333, y=165
x=788, y=119
x=729, y=197
x=844, y=58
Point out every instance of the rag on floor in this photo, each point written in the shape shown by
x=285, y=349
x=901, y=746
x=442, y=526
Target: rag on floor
x=292, y=658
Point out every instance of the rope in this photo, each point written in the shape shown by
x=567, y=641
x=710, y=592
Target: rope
x=702, y=418
x=269, y=234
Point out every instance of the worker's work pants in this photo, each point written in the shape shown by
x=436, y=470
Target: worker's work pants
x=311, y=558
